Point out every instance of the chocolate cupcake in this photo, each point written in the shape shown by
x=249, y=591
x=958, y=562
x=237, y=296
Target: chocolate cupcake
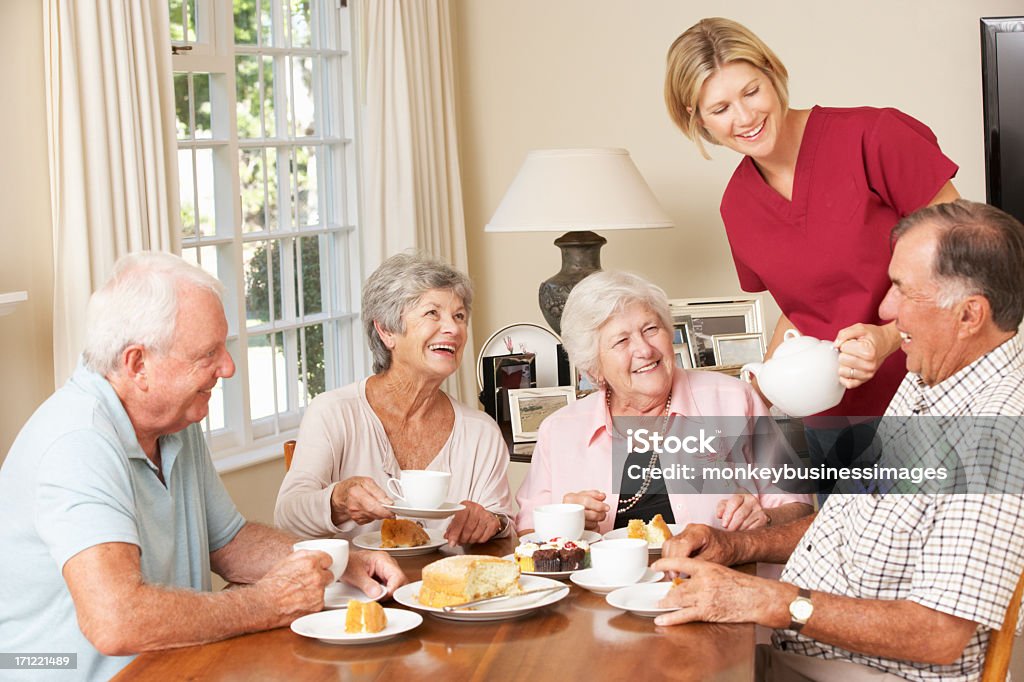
x=571, y=558
x=546, y=560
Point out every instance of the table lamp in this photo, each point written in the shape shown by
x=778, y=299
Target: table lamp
x=576, y=191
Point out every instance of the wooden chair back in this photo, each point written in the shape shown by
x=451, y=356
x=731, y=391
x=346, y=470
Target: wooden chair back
x=1000, y=642
x=289, y=450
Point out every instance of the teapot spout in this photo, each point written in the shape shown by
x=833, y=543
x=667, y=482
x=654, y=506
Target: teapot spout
x=750, y=369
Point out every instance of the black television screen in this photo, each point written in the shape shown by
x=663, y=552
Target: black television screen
x=1002, y=69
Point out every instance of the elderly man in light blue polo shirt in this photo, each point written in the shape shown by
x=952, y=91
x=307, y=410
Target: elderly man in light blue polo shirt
x=111, y=512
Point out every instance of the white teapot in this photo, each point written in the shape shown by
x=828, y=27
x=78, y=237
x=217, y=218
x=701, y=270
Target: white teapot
x=802, y=376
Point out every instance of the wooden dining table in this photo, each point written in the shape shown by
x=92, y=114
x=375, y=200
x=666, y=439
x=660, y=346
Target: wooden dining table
x=579, y=636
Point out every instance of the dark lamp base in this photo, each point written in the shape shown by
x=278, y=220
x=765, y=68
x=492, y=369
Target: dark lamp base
x=581, y=256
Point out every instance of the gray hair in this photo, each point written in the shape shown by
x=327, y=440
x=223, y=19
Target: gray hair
x=979, y=250
x=597, y=299
x=138, y=304
x=395, y=286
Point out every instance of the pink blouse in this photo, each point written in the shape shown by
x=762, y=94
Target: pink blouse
x=574, y=449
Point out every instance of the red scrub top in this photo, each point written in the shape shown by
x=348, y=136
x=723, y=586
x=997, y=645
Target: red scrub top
x=824, y=255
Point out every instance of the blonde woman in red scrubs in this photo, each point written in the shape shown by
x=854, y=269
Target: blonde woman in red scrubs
x=809, y=208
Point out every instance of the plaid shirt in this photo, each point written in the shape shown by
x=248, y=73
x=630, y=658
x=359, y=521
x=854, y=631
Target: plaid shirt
x=959, y=554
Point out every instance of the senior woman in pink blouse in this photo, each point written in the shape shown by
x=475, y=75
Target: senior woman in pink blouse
x=616, y=328
x=354, y=438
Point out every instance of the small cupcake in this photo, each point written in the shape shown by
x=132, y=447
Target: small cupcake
x=524, y=556
x=546, y=560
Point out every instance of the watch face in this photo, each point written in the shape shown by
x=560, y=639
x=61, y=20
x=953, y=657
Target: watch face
x=801, y=609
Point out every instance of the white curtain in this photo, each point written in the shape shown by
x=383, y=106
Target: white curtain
x=413, y=191
x=110, y=119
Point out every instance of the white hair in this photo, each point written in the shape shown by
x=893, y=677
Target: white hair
x=597, y=299
x=138, y=304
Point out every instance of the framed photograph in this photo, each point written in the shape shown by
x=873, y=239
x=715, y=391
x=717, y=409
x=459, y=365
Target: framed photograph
x=683, y=341
x=531, y=406
x=682, y=355
x=710, y=317
x=736, y=350
x=512, y=371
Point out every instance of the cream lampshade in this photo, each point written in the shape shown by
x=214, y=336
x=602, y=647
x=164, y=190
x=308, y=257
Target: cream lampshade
x=576, y=191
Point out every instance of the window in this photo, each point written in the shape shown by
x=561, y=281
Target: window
x=267, y=173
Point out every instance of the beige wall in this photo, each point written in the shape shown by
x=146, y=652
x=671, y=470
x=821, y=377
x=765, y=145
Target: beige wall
x=577, y=73
x=26, y=263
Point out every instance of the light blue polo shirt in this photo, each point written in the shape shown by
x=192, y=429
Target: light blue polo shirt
x=76, y=477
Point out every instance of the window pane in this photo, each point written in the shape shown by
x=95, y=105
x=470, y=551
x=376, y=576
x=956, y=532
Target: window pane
x=176, y=11
x=208, y=260
x=307, y=211
x=267, y=381
x=205, y=181
x=312, y=338
x=302, y=89
x=257, y=170
x=300, y=23
x=201, y=99
x=186, y=194
x=215, y=419
x=245, y=22
x=181, y=105
x=262, y=262
x=190, y=255
x=190, y=6
x=267, y=23
x=312, y=298
x=269, y=121
x=247, y=96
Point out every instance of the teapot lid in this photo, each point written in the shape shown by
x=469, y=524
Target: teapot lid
x=795, y=342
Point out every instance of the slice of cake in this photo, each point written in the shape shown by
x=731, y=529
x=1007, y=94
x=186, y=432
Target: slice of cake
x=655, y=532
x=402, y=533
x=459, y=579
x=637, y=529
x=364, y=616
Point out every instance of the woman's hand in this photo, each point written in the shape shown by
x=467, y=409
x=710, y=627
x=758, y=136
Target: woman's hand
x=862, y=349
x=359, y=498
x=472, y=525
x=594, y=509
x=742, y=511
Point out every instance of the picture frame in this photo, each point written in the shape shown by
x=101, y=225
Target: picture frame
x=683, y=341
x=531, y=406
x=512, y=371
x=736, y=350
x=710, y=317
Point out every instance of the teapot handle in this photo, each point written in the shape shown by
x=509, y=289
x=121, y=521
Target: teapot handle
x=790, y=334
x=751, y=368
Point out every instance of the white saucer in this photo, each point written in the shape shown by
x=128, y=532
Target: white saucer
x=619, y=533
x=557, y=575
x=372, y=541
x=338, y=595
x=329, y=627
x=588, y=580
x=444, y=511
x=408, y=595
x=588, y=536
x=641, y=600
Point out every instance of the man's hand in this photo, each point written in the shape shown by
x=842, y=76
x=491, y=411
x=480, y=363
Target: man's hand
x=360, y=498
x=716, y=594
x=742, y=511
x=295, y=586
x=594, y=509
x=472, y=525
x=700, y=541
x=366, y=571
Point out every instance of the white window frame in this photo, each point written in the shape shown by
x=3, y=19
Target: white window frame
x=244, y=441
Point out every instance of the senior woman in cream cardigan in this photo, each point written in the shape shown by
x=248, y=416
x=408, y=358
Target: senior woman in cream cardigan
x=617, y=328
x=353, y=439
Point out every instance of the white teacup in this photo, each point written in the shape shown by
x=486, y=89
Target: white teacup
x=420, y=489
x=619, y=562
x=559, y=520
x=336, y=548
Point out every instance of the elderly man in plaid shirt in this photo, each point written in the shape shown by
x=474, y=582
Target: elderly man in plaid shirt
x=899, y=586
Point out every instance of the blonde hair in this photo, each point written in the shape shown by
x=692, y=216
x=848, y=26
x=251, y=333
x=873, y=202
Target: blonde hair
x=697, y=54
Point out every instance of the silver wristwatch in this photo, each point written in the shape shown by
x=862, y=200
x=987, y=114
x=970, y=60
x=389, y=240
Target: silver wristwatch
x=800, y=610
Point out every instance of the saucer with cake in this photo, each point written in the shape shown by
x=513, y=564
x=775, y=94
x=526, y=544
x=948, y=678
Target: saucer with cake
x=655, y=531
x=464, y=578
x=361, y=622
x=401, y=537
